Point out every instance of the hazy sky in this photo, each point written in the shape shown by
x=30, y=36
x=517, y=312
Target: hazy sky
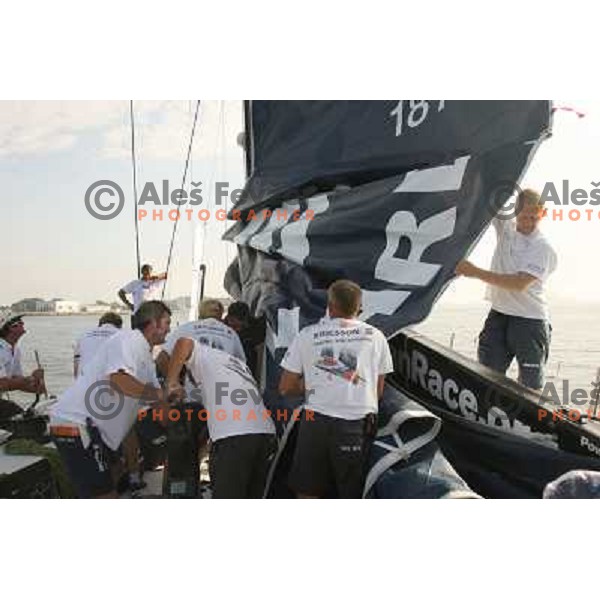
x=50, y=152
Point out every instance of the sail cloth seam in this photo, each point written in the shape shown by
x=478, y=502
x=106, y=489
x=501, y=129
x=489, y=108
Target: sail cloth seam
x=135, y=193
x=185, y=170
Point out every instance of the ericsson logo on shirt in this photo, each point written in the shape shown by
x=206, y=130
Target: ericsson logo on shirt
x=336, y=333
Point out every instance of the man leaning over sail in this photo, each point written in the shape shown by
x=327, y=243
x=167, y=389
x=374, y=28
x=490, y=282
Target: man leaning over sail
x=92, y=417
x=518, y=324
x=209, y=329
x=240, y=428
x=339, y=364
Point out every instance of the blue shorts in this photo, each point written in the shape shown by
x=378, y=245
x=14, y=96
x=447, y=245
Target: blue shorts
x=505, y=337
x=89, y=468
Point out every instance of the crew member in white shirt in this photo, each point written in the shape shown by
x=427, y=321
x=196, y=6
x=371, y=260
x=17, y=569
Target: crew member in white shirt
x=144, y=289
x=339, y=364
x=86, y=349
x=88, y=343
x=209, y=329
x=12, y=330
x=92, y=417
x=240, y=428
x=518, y=324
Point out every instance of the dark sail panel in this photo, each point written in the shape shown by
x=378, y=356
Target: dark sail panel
x=414, y=195
x=299, y=146
x=399, y=238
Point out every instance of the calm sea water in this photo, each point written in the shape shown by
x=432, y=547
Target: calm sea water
x=575, y=350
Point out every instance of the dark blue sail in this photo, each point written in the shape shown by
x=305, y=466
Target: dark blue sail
x=390, y=194
x=295, y=148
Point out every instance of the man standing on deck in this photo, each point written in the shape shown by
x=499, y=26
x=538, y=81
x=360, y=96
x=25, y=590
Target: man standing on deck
x=12, y=329
x=91, y=418
x=518, y=323
x=144, y=289
x=339, y=364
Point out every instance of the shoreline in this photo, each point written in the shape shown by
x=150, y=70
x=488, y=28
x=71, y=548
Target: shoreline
x=73, y=314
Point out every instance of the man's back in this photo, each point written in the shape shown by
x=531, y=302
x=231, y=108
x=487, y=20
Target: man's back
x=341, y=360
x=210, y=332
x=229, y=394
x=89, y=343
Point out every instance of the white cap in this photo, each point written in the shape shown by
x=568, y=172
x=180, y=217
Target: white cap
x=7, y=317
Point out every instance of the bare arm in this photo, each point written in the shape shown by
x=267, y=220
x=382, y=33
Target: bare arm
x=130, y=386
x=124, y=300
x=515, y=282
x=162, y=362
x=181, y=354
x=159, y=277
x=380, y=384
x=291, y=384
x=31, y=384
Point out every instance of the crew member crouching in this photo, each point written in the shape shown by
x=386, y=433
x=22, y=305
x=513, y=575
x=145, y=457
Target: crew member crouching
x=240, y=427
x=93, y=416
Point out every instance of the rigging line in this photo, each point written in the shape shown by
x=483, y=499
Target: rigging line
x=187, y=162
x=211, y=188
x=135, y=193
x=224, y=170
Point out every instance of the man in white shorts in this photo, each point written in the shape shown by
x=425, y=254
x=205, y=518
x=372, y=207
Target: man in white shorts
x=240, y=428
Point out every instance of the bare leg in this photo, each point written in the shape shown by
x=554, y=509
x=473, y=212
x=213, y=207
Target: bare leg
x=131, y=448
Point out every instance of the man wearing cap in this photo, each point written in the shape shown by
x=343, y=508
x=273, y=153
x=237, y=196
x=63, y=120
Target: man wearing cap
x=144, y=289
x=12, y=329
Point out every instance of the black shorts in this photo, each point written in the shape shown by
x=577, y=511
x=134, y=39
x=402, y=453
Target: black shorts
x=330, y=458
x=89, y=468
x=239, y=465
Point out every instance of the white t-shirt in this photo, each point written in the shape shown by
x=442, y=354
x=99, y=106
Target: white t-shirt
x=143, y=291
x=519, y=253
x=10, y=360
x=229, y=393
x=211, y=332
x=126, y=351
x=89, y=343
x=341, y=360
